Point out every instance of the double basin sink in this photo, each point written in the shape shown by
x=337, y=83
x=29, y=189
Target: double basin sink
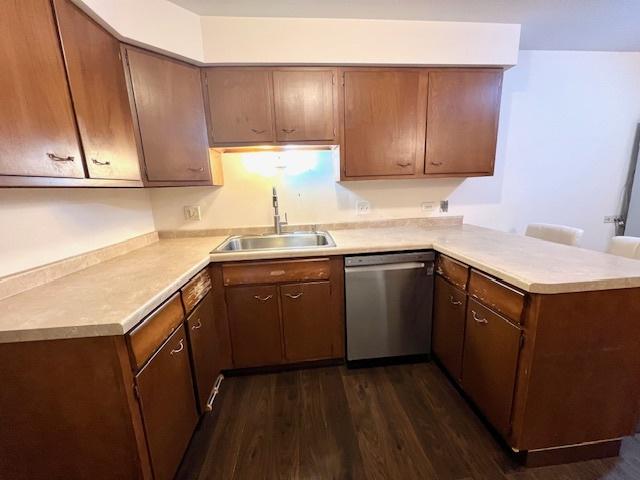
x=295, y=240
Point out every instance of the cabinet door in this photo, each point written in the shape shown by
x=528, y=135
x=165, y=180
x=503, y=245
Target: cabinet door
x=304, y=105
x=491, y=350
x=308, y=322
x=448, y=326
x=99, y=93
x=462, y=121
x=254, y=322
x=37, y=127
x=168, y=404
x=384, y=122
x=241, y=105
x=205, y=349
x=170, y=109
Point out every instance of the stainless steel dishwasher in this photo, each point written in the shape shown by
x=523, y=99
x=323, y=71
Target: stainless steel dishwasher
x=389, y=301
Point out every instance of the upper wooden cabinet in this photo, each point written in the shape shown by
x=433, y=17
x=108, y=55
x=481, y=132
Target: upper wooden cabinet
x=37, y=127
x=414, y=123
x=170, y=111
x=304, y=105
x=462, y=121
x=99, y=93
x=253, y=105
x=241, y=105
x=384, y=122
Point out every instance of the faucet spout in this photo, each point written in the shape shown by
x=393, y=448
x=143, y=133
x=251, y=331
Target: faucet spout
x=277, y=223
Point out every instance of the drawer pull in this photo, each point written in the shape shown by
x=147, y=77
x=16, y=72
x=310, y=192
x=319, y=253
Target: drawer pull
x=57, y=158
x=288, y=130
x=197, y=326
x=454, y=302
x=214, y=393
x=98, y=162
x=437, y=164
x=255, y=130
x=277, y=273
x=193, y=169
x=294, y=296
x=180, y=348
x=403, y=164
x=263, y=299
x=478, y=319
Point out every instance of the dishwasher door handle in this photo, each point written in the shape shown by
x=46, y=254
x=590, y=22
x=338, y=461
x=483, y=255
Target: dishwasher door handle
x=385, y=267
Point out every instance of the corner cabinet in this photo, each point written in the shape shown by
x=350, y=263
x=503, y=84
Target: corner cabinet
x=418, y=122
x=259, y=105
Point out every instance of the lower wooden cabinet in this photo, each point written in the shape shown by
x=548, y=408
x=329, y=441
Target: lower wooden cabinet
x=168, y=404
x=305, y=311
x=254, y=321
x=448, y=326
x=205, y=349
x=491, y=351
x=297, y=317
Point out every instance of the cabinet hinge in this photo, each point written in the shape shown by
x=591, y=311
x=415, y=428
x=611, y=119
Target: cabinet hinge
x=521, y=341
x=126, y=58
x=136, y=391
x=343, y=79
x=333, y=79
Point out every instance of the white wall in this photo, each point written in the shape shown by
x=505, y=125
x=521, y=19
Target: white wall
x=229, y=40
x=40, y=226
x=565, y=140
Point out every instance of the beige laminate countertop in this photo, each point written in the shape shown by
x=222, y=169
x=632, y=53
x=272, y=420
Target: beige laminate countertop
x=112, y=297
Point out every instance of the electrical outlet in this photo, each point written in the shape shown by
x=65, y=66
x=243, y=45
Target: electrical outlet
x=612, y=219
x=428, y=207
x=444, y=206
x=192, y=213
x=363, y=207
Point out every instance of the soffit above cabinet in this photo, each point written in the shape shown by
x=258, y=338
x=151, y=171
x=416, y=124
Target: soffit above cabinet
x=165, y=27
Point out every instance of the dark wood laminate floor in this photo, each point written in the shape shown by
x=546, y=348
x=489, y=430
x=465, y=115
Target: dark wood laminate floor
x=398, y=422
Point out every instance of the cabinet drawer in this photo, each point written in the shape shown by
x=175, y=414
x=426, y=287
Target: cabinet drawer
x=195, y=290
x=453, y=270
x=276, y=272
x=500, y=297
x=149, y=335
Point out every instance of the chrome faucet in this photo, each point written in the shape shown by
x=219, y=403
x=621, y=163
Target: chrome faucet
x=277, y=223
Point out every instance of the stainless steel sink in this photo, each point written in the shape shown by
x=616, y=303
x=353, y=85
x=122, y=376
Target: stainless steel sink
x=296, y=240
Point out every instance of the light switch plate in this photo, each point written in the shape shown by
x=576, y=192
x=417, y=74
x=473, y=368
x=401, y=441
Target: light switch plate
x=192, y=213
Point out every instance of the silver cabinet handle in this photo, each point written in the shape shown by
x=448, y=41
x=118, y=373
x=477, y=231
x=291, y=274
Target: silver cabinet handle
x=180, y=348
x=263, y=299
x=454, y=302
x=478, y=319
x=294, y=296
x=214, y=393
x=288, y=130
x=57, y=158
x=437, y=164
x=197, y=325
x=255, y=130
x=439, y=271
x=98, y=162
x=192, y=169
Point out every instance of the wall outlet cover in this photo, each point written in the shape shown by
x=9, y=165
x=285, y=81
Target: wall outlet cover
x=428, y=207
x=363, y=207
x=192, y=213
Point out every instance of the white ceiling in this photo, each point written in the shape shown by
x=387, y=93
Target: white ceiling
x=609, y=25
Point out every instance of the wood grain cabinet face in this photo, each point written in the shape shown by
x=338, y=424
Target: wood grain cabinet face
x=448, y=326
x=99, y=92
x=37, y=126
x=168, y=404
x=205, y=349
x=462, y=121
x=254, y=321
x=304, y=105
x=306, y=322
x=384, y=122
x=171, y=118
x=491, y=351
x=241, y=105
